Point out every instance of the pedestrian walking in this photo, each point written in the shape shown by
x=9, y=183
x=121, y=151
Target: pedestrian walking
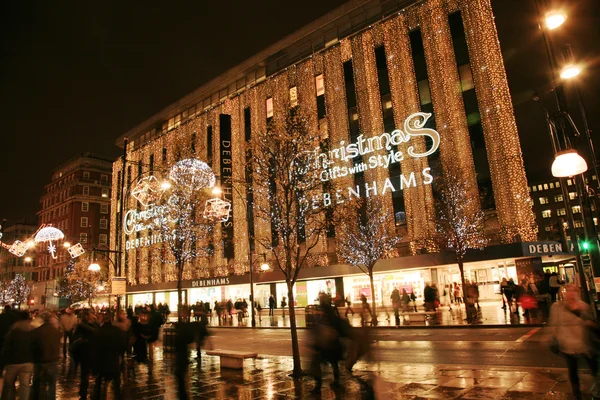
x=271, y=306
x=503, y=286
x=574, y=334
x=327, y=345
x=68, y=322
x=155, y=321
x=82, y=349
x=183, y=338
x=17, y=358
x=555, y=286
x=283, y=305
x=229, y=306
x=366, y=315
x=46, y=354
x=458, y=294
x=7, y=319
x=349, y=307
x=109, y=347
x=429, y=294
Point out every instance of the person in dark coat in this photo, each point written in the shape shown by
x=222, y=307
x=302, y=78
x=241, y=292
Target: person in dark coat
x=83, y=349
x=7, y=319
x=17, y=358
x=46, y=354
x=109, y=346
x=271, y=305
x=327, y=345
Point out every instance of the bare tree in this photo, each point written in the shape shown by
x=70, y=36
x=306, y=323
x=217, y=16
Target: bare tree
x=79, y=283
x=184, y=223
x=365, y=237
x=460, y=221
x=286, y=181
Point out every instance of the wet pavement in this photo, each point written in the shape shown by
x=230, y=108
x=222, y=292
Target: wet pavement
x=267, y=378
x=490, y=313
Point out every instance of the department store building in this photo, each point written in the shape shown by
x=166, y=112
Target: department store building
x=357, y=72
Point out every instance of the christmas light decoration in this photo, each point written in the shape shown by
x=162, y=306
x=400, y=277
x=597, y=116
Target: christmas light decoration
x=217, y=209
x=193, y=174
x=509, y=183
x=148, y=190
x=418, y=200
x=48, y=234
x=18, y=248
x=79, y=283
x=19, y=289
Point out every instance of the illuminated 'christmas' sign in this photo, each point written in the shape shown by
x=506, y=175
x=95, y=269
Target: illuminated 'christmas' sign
x=358, y=157
x=138, y=221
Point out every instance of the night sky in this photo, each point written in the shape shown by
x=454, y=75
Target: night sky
x=74, y=75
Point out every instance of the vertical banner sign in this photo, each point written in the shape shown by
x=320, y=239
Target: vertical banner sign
x=529, y=268
x=226, y=183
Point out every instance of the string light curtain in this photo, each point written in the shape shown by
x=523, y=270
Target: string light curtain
x=509, y=182
x=446, y=94
x=370, y=117
x=418, y=200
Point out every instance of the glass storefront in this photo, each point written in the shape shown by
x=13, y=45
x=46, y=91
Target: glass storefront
x=412, y=281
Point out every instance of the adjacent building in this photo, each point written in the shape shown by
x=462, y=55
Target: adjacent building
x=359, y=72
x=10, y=265
x=77, y=201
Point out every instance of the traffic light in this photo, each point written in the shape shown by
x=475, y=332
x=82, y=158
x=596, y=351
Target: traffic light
x=31, y=302
x=585, y=245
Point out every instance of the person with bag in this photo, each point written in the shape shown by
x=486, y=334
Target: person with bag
x=573, y=335
x=395, y=298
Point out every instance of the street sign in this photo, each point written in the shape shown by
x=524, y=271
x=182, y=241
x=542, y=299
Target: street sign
x=119, y=285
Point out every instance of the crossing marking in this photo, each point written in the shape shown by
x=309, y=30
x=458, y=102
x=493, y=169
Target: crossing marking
x=528, y=335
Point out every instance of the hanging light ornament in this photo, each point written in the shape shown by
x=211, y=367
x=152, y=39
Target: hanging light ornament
x=48, y=234
x=193, y=174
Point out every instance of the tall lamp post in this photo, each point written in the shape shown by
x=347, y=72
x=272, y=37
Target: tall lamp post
x=567, y=162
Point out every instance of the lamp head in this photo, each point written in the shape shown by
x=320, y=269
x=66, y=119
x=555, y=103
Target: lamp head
x=216, y=190
x=554, y=19
x=568, y=163
x=570, y=71
x=264, y=267
x=94, y=267
x=165, y=185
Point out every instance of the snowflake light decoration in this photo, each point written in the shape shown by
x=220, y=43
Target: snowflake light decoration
x=193, y=174
x=217, y=209
x=148, y=190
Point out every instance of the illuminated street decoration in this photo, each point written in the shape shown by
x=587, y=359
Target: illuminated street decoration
x=148, y=190
x=217, y=209
x=49, y=234
x=193, y=174
x=76, y=250
x=18, y=248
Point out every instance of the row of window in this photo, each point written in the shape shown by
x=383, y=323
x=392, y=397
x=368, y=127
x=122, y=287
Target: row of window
x=561, y=212
x=103, y=223
x=65, y=194
x=552, y=185
x=86, y=175
x=102, y=239
x=85, y=207
x=557, y=198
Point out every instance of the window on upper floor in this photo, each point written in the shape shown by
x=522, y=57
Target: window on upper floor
x=86, y=175
x=83, y=238
x=561, y=211
x=105, y=192
x=103, y=177
x=104, y=208
x=572, y=195
x=84, y=222
x=576, y=209
x=543, y=200
x=293, y=96
x=558, y=198
x=86, y=190
x=103, y=239
x=103, y=223
x=269, y=107
x=547, y=214
x=85, y=206
x=320, y=85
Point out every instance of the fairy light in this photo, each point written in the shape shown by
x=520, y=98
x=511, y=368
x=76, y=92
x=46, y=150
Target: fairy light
x=509, y=181
x=451, y=121
x=418, y=200
x=368, y=100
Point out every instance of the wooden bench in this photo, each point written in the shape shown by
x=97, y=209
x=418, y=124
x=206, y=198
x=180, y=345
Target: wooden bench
x=231, y=359
x=421, y=316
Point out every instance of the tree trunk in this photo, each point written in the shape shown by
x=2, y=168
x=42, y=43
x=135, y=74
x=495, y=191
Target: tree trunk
x=297, y=372
x=373, y=305
x=461, y=268
x=179, y=291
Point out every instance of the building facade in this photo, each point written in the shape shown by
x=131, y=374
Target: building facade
x=10, y=265
x=77, y=201
x=367, y=70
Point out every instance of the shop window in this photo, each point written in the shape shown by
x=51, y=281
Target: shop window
x=293, y=97
x=85, y=206
x=466, y=77
x=558, y=198
x=320, y=85
x=424, y=92
x=543, y=200
x=269, y=107
x=547, y=214
x=576, y=209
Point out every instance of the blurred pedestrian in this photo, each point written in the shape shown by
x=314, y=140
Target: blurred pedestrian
x=349, y=309
x=184, y=336
x=366, y=314
x=555, y=285
x=82, y=349
x=503, y=286
x=17, y=357
x=429, y=297
x=458, y=294
x=7, y=319
x=68, y=322
x=46, y=354
x=109, y=346
x=327, y=343
x=283, y=306
x=573, y=333
x=155, y=321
